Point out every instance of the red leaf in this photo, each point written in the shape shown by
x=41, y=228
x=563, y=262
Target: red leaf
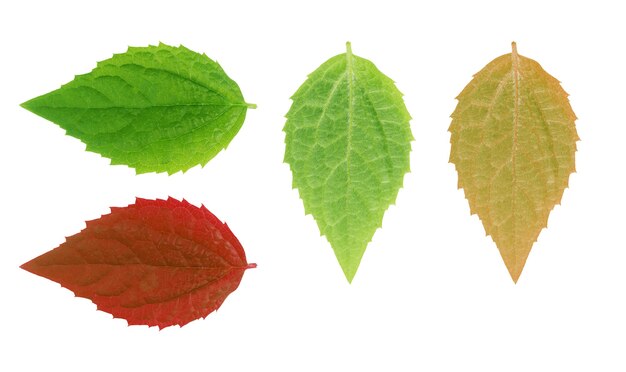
x=156, y=263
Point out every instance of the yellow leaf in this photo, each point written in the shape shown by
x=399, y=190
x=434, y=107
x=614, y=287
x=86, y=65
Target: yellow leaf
x=513, y=143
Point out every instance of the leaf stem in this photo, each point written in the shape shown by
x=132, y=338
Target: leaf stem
x=251, y=105
x=348, y=48
x=251, y=266
x=514, y=48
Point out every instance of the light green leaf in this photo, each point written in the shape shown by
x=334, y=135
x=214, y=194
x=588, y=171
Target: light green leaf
x=156, y=109
x=348, y=144
x=513, y=144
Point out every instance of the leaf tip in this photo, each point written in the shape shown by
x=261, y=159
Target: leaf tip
x=349, y=268
x=349, y=276
x=27, y=105
x=25, y=266
x=515, y=277
x=515, y=265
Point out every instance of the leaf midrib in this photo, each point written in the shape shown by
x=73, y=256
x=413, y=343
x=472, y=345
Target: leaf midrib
x=143, y=107
x=516, y=95
x=173, y=267
x=350, y=78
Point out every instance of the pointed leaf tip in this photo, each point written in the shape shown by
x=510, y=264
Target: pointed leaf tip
x=515, y=276
x=349, y=273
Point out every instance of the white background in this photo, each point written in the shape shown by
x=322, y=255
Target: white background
x=432, y=292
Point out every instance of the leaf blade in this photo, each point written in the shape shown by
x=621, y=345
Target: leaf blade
x=347, y=144
x=156, y=263
x=155, y=109
x=513, y=143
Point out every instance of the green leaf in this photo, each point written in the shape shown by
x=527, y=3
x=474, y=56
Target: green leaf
x=155, y=109
x=513, y=144
x=348, y=142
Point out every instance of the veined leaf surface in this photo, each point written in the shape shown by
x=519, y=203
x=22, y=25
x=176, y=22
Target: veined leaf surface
x=513, y=144
x=155, y=109
x=156, y=263
x=348, y=141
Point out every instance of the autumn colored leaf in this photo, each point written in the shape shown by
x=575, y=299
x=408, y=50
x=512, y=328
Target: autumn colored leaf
x=156, y=263
x=155, y=109
x=513, y=144
x=348, y=141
